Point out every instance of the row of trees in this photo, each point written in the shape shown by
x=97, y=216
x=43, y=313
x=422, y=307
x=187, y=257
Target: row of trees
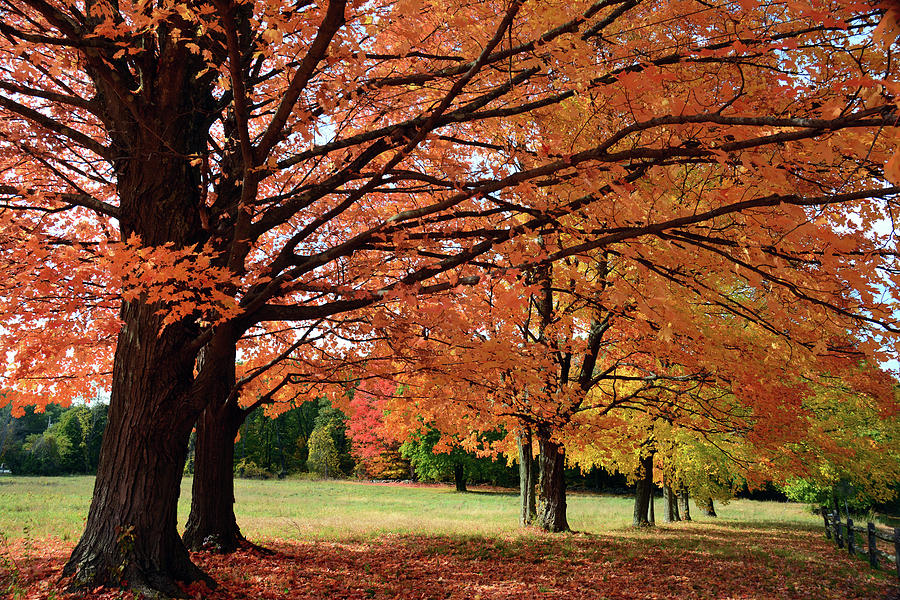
x=55, y=441
x=733, y=391
x=312, y=437
x=64, y=441
x=578, y=224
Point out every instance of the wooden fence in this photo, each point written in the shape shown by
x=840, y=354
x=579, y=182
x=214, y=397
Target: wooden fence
x=845, y=533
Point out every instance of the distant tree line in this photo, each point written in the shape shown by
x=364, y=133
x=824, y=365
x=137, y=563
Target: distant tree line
x=57, y=441
x=311, y=437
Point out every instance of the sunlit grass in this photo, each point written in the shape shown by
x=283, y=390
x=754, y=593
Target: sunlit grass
x=348, y=539
x=342, y=510
x=44, y=506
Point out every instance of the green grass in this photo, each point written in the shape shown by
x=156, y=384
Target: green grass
x=35, y=507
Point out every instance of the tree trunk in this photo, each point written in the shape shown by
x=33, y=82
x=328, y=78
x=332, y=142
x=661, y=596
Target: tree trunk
x=670, y=503
x=459, y=477
x=707, y=508
x=528, y=510
x=643, y=493
x=131, y=535
x=551, y=511
x=283, y=472
x=684, y=505
x=211, y=524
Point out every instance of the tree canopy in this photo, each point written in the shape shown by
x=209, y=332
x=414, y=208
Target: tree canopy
x=181, y=182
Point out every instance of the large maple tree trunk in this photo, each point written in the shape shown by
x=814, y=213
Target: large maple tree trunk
x=528, y=510
x=131, y=536
x=643, y=493
x=551, y=512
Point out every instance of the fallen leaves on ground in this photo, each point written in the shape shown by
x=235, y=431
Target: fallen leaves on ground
x=710, y=561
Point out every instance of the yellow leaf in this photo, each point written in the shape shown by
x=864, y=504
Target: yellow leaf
x=272, y=36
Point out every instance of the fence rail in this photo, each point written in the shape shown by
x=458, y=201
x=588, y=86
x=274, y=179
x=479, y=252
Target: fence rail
x=845, y=533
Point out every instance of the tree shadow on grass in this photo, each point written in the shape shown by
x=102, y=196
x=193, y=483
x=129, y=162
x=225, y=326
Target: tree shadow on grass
x=684, y=561
x=678, y=562
x=498, y=493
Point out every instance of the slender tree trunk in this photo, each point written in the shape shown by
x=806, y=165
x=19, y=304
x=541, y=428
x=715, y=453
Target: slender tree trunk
x=459, y=477
x=707, y=507
x=283, y=471
x=684, y=505
x=551, y=510
x=670, y=503
x=643, y=493
x=211, y=524
x=131, y=536
x=528, y=510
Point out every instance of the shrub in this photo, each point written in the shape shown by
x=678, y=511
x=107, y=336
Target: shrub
x=250, y=470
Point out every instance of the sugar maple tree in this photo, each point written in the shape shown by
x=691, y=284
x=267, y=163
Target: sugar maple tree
x=176, y=175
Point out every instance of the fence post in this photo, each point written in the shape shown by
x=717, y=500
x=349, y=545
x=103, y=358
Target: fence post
x=851, y=537
x=873, y=548
x=837, y=530
x=827, y=525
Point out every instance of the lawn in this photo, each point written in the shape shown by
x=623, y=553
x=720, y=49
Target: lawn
x=36, y=507
x=357, y=540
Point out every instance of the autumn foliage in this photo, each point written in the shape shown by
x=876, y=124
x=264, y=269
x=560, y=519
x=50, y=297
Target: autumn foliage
x=693, y=196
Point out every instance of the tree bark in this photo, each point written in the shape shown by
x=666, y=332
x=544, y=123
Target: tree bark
x=551, y=510
x=683, y=504
x=528, y=510
x=212, y=524
x=131, y=536
x=459, y=477
x=643, y=493
x=707, y=507
x=670, y=504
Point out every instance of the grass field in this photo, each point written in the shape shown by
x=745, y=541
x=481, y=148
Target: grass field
x=344, y=510
x=347, y=540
